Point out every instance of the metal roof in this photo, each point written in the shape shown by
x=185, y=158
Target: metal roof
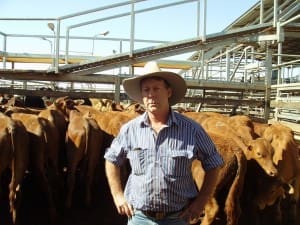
x=288, y=19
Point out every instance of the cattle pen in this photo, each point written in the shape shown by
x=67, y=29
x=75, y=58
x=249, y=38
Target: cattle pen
x=250, y=68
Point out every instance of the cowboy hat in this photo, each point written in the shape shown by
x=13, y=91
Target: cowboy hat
x=151, y=69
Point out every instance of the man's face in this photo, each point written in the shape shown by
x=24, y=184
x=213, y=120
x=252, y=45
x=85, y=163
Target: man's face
x=155, y=94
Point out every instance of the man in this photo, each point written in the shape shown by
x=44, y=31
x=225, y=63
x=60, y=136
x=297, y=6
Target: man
x=160, y=146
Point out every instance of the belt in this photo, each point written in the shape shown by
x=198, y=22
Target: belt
x=157, y=215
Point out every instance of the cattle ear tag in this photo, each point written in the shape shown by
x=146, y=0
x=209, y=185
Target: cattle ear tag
x=249, y=147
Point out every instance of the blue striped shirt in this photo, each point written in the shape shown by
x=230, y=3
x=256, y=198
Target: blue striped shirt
x=161, y=178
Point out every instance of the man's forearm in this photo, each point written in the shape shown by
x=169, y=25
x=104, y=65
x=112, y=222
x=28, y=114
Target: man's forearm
x=113, y=175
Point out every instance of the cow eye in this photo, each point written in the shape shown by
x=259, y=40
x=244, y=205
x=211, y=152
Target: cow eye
x=258, y=154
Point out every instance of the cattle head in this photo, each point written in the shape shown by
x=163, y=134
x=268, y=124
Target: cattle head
x=135, y=108
x=138, y=108
x=64, y=104
x=116, y=107
x=281, y=139
x=261, y=151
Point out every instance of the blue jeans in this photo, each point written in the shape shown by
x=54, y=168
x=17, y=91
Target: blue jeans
x=140, y=219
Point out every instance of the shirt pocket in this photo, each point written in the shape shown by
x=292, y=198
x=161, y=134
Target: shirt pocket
x=177, y=163
x=137, y=158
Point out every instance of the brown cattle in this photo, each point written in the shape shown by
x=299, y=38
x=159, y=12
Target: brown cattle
x=57, y=119
x=287, y=160
x=257, y=149
x=109, y=210
x=104, y=105
x=261, y=151
x=14, y=155
x=229, y=183
x=243, y=126
x=109, y=122
x=59, y=123
x=196, y=116
x=199, y=117
x=64, y=105
x=84, y=141
x=15, y=109
x=101, y=104
x=134, y=107
x=43, y=152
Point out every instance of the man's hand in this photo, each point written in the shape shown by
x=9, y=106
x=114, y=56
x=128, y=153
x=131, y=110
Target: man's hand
x=123, y=207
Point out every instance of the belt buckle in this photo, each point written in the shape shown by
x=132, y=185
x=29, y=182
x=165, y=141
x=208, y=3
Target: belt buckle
x=160, y=215
x=155, y=215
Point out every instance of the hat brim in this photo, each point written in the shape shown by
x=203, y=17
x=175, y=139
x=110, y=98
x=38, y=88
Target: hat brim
x=176, y=82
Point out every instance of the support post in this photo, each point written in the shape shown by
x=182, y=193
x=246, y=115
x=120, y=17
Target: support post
x=117, y=89
x=268, y=77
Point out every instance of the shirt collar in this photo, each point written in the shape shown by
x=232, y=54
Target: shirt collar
x=144, y=121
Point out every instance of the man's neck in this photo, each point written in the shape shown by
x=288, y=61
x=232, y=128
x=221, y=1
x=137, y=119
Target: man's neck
x=159, y=117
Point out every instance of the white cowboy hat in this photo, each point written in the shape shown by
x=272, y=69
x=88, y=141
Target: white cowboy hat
x=151, y=69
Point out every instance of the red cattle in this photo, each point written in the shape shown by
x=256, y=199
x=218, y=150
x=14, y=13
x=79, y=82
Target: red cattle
x=43, y=152
x=199, y=117
x=64, y=105
x=109, y=122
x=243, y=126
x=15, y=109
x=104, y=105
x=229, y=184
x=84, y=141
x=59, y=123
x=134, y=108
x=13, y=154
x=287, y=160
x=257, y=149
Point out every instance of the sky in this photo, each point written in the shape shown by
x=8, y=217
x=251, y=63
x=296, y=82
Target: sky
x=167, y=24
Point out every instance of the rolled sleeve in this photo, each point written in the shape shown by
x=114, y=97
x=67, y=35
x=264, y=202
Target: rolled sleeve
x=207, y=151
x=213, y=161
x=116, y=152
